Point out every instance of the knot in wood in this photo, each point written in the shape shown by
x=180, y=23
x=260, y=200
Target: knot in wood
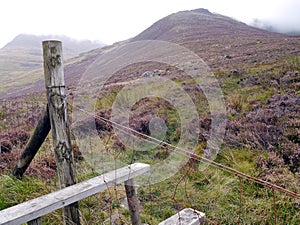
x=63, y=151
x=55, y=60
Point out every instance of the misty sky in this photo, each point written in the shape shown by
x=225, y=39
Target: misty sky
x=116, y=20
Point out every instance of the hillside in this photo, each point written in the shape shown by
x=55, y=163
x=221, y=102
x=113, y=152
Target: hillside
x=24, y=54
x=214, y=36
x=223, y=43
x=258, y=72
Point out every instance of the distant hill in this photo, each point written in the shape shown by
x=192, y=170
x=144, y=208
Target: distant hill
x=32, y=44
x=24, y=54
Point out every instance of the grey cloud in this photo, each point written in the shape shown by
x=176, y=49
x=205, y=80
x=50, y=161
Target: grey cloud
x=286, y=20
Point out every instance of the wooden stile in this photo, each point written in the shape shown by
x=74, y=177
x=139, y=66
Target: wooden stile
x=33, y=209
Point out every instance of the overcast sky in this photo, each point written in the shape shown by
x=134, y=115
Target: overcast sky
x=114, y=20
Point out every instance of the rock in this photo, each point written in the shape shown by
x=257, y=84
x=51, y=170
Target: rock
x=249, y=81
x=275, y=83
x=227, y=57
x=235, y=72
x=148, y=74
x=188, y=216
x=124, y=203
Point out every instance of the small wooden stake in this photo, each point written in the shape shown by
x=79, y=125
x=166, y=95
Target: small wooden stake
x=133, y=202
x=56, y=96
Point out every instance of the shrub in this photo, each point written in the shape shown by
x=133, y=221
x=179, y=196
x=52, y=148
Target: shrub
x=5, y=145
x=19, y=137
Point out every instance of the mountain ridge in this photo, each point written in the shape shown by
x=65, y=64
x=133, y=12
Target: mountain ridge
x=72, y=47
x=213, y=36
x=223, y=43
x=20, y=58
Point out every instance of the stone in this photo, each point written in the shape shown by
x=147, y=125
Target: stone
x=235, y=72
x=227, y=57
x=148, y=74
x=186, y=216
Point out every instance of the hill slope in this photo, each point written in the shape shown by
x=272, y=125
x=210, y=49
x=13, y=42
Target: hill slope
x=214, y=36
x=24, y=54
x=223, y=43
x=258, y=72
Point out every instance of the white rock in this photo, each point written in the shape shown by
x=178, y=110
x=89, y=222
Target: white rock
x=186, y=216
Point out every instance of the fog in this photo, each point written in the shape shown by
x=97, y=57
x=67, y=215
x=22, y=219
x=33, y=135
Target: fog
x=117, y=20
x=286, y=19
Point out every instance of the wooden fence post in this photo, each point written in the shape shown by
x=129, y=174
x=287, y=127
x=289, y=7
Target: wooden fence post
x=56, y=96
x=133, y=202
x=38, y=137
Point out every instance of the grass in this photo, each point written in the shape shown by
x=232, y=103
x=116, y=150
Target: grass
x=14, y=191
x=213, y=191
x=217, y=194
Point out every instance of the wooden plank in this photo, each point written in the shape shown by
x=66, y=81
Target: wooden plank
x=133, y=202
x=60, y=127
x=38, y=207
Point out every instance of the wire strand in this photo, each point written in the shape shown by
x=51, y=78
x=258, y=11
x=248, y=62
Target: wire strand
x=193, y=155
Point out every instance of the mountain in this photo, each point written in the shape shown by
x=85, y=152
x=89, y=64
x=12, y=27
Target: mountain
x=213, y=36
x=222, y=42
x=24, y=54
x=32, y=44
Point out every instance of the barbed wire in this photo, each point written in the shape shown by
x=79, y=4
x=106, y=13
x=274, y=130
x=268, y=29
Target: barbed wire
x=194, y=156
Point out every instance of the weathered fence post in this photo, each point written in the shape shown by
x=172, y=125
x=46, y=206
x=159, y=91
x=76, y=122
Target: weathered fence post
x=40, y=133
x=133, y=202
x=56, y=96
